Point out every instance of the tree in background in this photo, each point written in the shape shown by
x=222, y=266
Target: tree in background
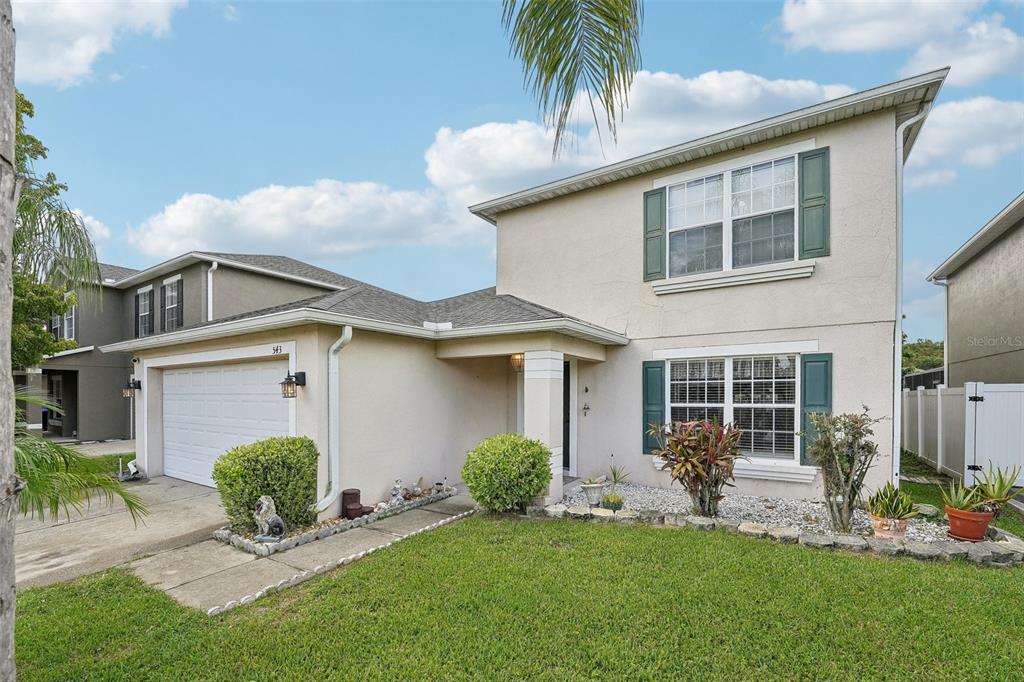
x=921, y=354
x=572, y=46
x=35, y=304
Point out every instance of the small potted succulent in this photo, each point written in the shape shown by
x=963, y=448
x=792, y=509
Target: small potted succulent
x=592, y=488
x=614, y=500
x=970, y=510
x=890, y=508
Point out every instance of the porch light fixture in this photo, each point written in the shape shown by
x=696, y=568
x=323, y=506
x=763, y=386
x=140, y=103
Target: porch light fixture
x=129, y=389
x=517, y=362
x=288, y=386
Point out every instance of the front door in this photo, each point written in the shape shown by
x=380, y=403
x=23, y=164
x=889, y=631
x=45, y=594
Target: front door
x=566, y=414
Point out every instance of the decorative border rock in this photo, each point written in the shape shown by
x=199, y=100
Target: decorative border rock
x=1003, y=549
x=267, y=548
x=302, y=577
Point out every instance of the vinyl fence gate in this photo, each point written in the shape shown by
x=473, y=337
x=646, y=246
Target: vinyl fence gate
x=965, y=431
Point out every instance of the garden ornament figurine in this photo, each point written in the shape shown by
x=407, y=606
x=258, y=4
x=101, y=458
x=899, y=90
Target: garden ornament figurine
x=396, y=492
x=271, y=525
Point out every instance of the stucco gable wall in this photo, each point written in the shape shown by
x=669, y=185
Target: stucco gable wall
x=583, y=253
x=986, y=314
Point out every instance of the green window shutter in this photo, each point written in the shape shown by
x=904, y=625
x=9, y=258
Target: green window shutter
x=654, y=400
x=814, y=193
x=654, y=234
x=815, y=394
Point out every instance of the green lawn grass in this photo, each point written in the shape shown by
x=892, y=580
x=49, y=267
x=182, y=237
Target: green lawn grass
x=552, y=600
x=109, y=462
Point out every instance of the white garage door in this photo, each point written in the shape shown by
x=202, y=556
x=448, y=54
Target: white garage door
x=209, y=410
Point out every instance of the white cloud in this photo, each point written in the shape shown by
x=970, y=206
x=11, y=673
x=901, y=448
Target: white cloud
x=978, y=132
x=96, y=228
x=983, y=49
x=832, y=26
x=935, y=178
x=58, y=42
x=323, y=219
x=115, y=77
x=463, y=167
x=231, y=13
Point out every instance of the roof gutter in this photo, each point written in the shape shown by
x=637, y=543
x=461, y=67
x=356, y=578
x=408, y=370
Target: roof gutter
x=897, y=342
x=333, y=422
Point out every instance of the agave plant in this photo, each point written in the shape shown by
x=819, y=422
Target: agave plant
x=889, y=502
x=996, y=487
x=58, y=479
x=958, y=496
x=618, y=476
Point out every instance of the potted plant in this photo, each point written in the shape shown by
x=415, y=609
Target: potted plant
x=970, y=510
x=964, y=522
x=614, y=500
x=592, y=488
x=890, y=508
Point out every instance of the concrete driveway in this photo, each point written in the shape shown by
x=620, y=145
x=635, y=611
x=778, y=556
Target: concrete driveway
x=181, y=513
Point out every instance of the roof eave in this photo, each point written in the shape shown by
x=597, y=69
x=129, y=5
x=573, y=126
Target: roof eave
x=1011, y=214
x=923, y=87
x=291, y=318
x=201, y=257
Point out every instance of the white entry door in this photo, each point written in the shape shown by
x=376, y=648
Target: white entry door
x=209, y=410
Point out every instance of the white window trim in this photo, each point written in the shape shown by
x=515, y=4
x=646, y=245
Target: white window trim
x=139, y=292
x=66, y=317
x=752, y=467
x=171, y=280
x=729, y=276
x=754, y=274
x=144, y=290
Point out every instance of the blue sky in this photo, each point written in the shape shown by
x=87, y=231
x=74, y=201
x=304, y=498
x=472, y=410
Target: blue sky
x=353, y=135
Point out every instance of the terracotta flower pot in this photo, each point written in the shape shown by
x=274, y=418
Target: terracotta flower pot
x=967, y=525
x=889, y=529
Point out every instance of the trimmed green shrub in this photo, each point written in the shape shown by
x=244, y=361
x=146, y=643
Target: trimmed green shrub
x=282, y=467
x=505, y=471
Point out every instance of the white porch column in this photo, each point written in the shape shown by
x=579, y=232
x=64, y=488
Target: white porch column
x=542, y=409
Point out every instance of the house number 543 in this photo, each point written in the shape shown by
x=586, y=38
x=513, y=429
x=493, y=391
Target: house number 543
x=276, y=350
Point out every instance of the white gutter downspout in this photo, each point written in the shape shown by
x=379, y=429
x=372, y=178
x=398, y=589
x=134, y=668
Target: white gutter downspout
x=945, y=327
x=897, y=346
x=333, y=421
x=209, y=290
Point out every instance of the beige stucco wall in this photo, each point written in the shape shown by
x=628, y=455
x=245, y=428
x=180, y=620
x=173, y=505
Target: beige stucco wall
x=403, y=412
x=582, y=254
x=985, y=331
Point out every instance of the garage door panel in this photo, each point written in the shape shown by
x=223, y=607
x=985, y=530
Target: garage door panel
x=209, y=410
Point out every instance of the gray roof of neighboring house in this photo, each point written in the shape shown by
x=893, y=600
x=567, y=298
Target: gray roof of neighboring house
x=475, y=309
x=112, y=273
x=286, y=266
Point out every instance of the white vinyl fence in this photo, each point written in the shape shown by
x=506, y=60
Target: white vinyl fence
x=962, y=431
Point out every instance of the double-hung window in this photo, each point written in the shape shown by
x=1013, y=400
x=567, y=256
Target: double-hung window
x=756, y=393
x=737, y=218
x=69, y=323
x=144, y=312
x=695, y=226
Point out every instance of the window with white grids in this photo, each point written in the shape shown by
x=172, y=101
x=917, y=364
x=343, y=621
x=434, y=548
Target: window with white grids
x=759, y=394
x=69, y=323
x=738, y=218
x=144, y=313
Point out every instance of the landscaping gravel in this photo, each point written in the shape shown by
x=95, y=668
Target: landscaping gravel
x=770, y=511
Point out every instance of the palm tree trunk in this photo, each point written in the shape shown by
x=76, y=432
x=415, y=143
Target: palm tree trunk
x=9, y=482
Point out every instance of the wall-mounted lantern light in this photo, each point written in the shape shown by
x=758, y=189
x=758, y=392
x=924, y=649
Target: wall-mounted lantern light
x=129, y=389
x=288, y=386
x=517, y=362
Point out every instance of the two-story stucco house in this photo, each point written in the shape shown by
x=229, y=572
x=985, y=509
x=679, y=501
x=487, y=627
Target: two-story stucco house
x=750, y=276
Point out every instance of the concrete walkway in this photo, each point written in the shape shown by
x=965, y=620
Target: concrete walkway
x=211, y=574
x=107, y=447
x=48, y=551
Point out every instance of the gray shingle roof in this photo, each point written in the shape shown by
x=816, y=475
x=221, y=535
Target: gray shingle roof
x=114, y=272
x=287, y=266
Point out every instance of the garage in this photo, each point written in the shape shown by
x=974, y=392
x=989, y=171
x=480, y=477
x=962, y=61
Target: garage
x=211, y=409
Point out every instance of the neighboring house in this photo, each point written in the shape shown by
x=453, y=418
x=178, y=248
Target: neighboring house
x=749, y=276
x=177, y=294
x=928, y=378
x=984, y=285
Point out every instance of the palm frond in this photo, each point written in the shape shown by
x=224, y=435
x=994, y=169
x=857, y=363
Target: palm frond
x=569, y=46
x=52, y=243
x=59, y=479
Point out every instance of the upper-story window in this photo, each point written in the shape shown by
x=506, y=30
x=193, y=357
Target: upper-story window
x=144, y=312
x=172, y=304
x=69, y=323
x=738, y=218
